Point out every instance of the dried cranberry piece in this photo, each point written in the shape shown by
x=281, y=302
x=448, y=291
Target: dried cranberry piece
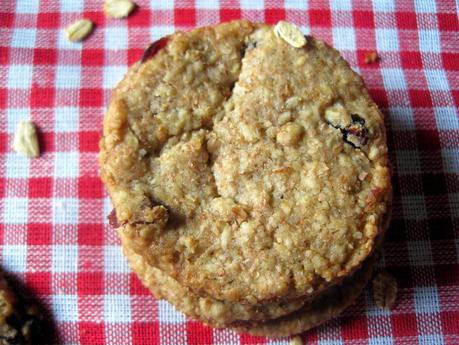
x=154, y=48
x=112, y=220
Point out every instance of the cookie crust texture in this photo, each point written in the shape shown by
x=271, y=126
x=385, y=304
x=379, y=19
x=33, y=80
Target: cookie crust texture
x=247, y=170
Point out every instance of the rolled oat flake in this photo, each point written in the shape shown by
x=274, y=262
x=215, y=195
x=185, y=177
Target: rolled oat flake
x=290, y=33
x=79, y=30
x=25, y=139
x=118, y=8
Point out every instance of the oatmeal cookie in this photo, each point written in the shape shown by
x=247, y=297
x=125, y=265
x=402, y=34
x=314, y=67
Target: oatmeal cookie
x=329, y=304
x=246, y=169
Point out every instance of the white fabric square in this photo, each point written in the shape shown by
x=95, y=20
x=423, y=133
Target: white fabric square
x=162, y=4
x=15, y=210
x=341, y=5
x=207, y=4
x=108, y=207
x=66, y=164
x=114, y=261
x=296, y=4
x=429, y=41
x=252, y=4
x=64, y=258
x=425, y=6
x=419, y=253
x=17, y=166
x=65, y=308
x=65, y=211
x=426, y=299
x=436, y=79
x=380, y=341
x=15, y=115
x=158, y=31
x=343, y=38
x=117, y=308
x=431, y=339
x=116, y=38
x=401, y=118
x=14, y=258
x=27, y=6
x=168, y=314
x=112, y=75
x=414, y=207
x=387, y=40
x=68, y=76
x=20, y=76
x=446, y=118
x=393, y=79
x=66, y=119
x=384, y=6
x=450, y=160
x=23, y=38
x=71, y=5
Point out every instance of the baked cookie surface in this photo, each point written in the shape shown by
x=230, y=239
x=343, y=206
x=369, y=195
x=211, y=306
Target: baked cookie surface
x=246, y=169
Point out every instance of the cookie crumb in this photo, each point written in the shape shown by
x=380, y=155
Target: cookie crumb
x=296, y=341
x=371, y=57
x=384, y=290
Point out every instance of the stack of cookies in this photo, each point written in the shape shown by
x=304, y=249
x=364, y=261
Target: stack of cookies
x=248, y=169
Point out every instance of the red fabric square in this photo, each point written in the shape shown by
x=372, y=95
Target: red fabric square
x=364, y=19
x=447, y=275
x=92, y=333
x=319, y=18
x=411, y=60
x=46, y=141
x=145, y=333
x=91, y=97
x=380, y=97
x=48, y=20
x=227, y=14
x=434, y=184
x=90, y=283
x=420, y=98
x=440, y=228
x=89, y=141
x=4, y=55
x=6, y=19
x=450, y=61
x=2, y=179
x=273, y=15
x=450, y=322
x=39, y=283
x=90, y=187
x=185, y=17
x=140, y=17
x=3, y=140
x=137, y=287
x=40, y=187
x=39, y=234
x=90, y=234
x=42, y=96
x=247, y=339
x=44, y=56
x=134, y=55
x=198, y=333
x=404, y=325
x=354, y=327
x=428, y=139
x=406, y=20
x=448, y=22
x=92, y=57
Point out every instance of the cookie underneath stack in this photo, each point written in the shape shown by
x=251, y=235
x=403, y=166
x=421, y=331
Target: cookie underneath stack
x=249, y=175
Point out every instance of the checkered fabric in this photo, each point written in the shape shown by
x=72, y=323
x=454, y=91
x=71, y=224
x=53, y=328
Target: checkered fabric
x=54, y=235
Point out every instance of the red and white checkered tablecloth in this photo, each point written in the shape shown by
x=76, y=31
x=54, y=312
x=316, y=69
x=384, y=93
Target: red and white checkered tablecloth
x=54, y=236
